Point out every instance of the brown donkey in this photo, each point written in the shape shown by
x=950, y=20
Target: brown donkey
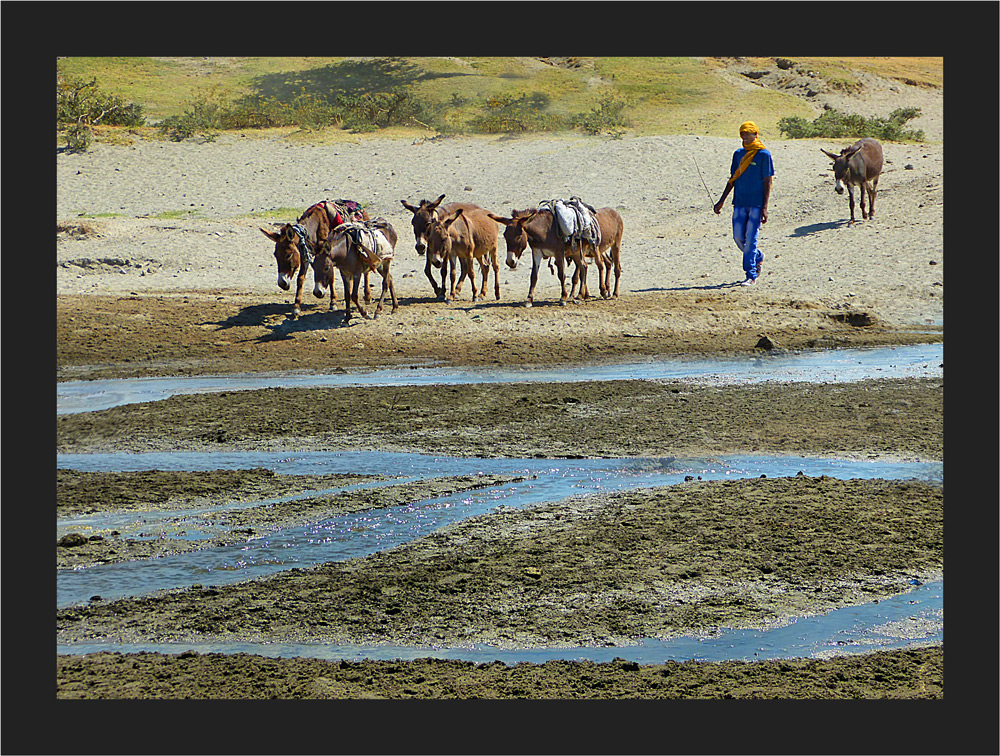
x=355, y=249
x=538, y=229
x=428, y=211
x=858, y=166
x=466, y=237
x=296, y=243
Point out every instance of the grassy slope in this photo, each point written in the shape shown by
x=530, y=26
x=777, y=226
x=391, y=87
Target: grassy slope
x=666, y=95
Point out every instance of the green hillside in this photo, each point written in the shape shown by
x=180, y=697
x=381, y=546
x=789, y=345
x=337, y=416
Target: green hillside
x=323, y=98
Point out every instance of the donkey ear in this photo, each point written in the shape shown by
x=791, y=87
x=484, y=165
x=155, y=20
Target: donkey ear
x=829, y=154
x=436, y=202
x=451, y=219
x=272, y=235
x=500, y=219
x=408, y=206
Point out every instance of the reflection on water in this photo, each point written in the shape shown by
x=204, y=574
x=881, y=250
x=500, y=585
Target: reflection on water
x=363, y=533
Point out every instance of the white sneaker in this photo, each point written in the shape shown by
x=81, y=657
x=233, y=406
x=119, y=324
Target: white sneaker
x=748, y=282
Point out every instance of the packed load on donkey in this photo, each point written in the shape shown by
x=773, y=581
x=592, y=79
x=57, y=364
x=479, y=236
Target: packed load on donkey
x=368, y=238
x=577, y=221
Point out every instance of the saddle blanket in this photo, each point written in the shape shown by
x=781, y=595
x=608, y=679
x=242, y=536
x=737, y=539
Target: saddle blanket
x=577, y=221
x=339, y=211
x=369, y=239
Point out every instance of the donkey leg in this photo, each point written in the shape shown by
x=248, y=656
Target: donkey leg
x=850, y=196
x=872, y=191
x=438, y=290
x=561, y=273
x=535, y=263
x=347, y=297
x=392, y=288
x=495, y=261
x=368, y=288
x=299, y=283
x=356, y=295
x=484, y=266
x=602, y=283
x=617, y=257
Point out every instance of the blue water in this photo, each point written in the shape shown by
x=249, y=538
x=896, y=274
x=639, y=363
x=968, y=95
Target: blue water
x=361, y=534
x=818, y=366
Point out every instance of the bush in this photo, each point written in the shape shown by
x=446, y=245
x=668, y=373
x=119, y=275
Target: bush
x=364, y=112
x=80, y=106
x=608, y=116
x=833, y=124
x=508, y=113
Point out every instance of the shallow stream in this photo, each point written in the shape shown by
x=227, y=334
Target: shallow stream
x=915, y=617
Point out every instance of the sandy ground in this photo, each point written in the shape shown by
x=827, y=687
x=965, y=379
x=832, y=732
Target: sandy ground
x=141, y=293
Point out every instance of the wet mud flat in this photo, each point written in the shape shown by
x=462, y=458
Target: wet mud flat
x=908, y=674
x=176, y=493
x=891, y=417
x=604, y=569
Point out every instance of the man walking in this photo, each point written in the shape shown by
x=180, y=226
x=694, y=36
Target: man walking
x=751, y=172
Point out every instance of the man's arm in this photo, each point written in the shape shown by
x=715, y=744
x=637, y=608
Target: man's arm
x=721, y=202
x=767, y=196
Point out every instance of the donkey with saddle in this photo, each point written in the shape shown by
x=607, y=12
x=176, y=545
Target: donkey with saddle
x=356, y=249
x=296, y=243
x=567, y=231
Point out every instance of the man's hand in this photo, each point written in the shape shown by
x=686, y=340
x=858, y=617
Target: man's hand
x=763, y=215
x=718, y=207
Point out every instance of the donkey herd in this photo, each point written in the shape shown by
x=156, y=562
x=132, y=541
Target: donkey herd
x=339, y=235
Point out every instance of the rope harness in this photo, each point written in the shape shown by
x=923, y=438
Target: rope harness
x=305, y=245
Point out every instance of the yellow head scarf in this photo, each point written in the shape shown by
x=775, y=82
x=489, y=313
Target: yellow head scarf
x=756, y=145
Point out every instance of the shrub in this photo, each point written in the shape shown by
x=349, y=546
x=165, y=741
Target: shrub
x=377, y=110
x=363, y=112
x=80, y=106
x=508, y=113
x=833, y=124
x=609, y=116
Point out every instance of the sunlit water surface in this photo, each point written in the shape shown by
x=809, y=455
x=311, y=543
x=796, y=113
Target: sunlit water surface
x=915, y=617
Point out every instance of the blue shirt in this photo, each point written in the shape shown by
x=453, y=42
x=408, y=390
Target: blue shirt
x=748, y=189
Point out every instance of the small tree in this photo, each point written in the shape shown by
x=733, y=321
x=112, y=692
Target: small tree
x=80, y=107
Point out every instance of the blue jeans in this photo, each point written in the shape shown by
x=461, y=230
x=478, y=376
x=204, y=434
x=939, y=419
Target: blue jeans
x=746, y=226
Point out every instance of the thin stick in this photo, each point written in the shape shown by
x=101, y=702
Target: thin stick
x=710, y=198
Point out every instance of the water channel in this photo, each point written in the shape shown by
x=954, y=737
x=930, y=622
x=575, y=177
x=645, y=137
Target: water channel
x=912, y=618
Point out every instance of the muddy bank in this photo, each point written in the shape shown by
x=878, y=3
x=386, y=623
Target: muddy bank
x=142, y=539
x=202, y=333
x=895, y=417
x=909, y=674
x=605, y=569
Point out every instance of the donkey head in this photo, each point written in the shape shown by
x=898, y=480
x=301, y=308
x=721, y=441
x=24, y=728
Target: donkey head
x=439, y=240
x=286, y=252
x=841, y=165
x=423, y=214
x=514, y=235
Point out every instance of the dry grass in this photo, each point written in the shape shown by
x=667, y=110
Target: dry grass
x=667, y=95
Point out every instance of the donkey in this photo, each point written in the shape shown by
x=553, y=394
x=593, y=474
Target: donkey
x=610, y=250
x=858, y=165
x=539, y=230
x=296, y=243
x=423, y=214
x=355, y=249
x=466, y=237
